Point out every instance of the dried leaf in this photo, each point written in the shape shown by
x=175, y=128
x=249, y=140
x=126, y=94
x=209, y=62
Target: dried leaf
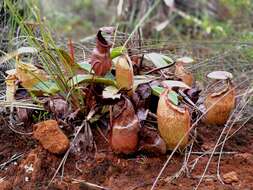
x=111, y=92
x=142, y=114
x=125, y=128
x=170, y=3
x=185, y=60
x=174, y=83
x=193, y=94
x=100, y=59
x=141, y=100
x=162, y=25
x=23, y=115
x=10, y=87
x=72, y=116
x=159, y=60
x=151, y=142
x=29, y=75
x=57, y=106
x=141, y=79
x=144, y=93
x=220, y=75
x=182, y=73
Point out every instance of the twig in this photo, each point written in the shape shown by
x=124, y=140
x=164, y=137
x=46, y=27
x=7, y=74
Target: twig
x=141, y=21
x=11, y=127
x=67, y=153
x=193, y=125
x=215, y=153
x=225, y=139
x=90, y=185
x=160, y=68
x=102, y=134
x=215, y=147
x=144, y=184
x=209, y=151
x=13, y=158
x=152, y=115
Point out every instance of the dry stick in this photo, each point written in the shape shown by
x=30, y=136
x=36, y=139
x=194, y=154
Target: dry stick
x=216, y=145
x=206, y=61
x=225, y=139
x=215, y=153
x=89, y=185
x=160, y=68
x=178, y=173
x=181, y=140
x=11, y=127
x=13, y=158
x=190, y=152
x=67, y=153
x=209, y=151
x=184, y=165
x=102, y=134
x=140, y=22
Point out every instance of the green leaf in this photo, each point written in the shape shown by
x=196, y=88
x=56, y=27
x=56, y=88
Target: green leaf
x=173, y=97
x=140, y=79
x=65, y=55
x=117, y=51
x=85, y=66
x=88, y=78
x=159, y=60
x=109, y=75
x=48, y=87
x=157, y=90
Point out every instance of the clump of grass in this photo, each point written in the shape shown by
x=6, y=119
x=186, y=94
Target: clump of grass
x=54, y=60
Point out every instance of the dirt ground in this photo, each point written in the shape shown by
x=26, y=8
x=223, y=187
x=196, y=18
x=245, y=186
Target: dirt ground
x=137, y=172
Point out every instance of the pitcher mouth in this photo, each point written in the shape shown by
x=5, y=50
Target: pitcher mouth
x=102, y=41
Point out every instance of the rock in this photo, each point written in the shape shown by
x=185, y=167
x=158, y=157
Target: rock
x=51, y=137
x=230, y=177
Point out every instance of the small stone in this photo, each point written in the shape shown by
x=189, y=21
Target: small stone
x=28, y=168
x=26, y=179
x=99, y=157
x=51, y=136
x=230, y=177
